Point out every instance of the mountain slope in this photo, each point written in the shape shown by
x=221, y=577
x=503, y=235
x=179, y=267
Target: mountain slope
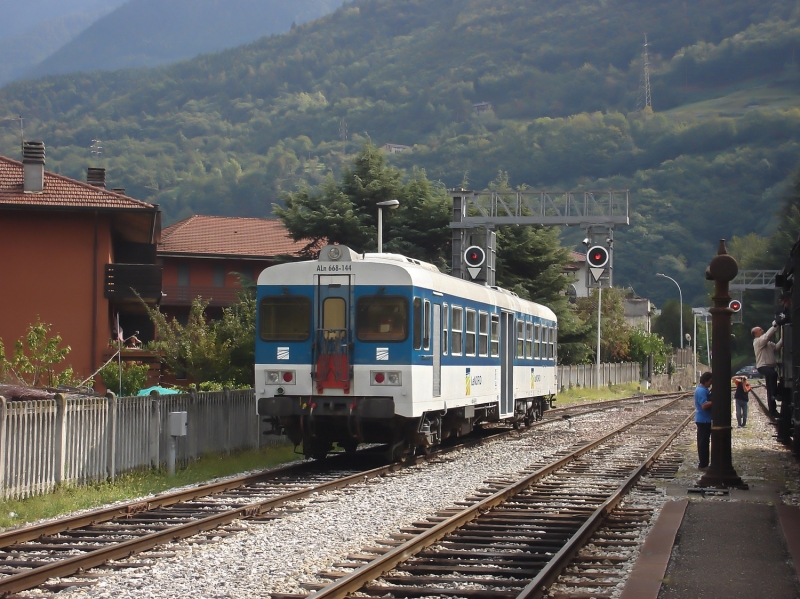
x=153, y=32
x=30, y=31
x=227, y=133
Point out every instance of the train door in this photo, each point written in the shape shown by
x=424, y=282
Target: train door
x=437, y=350
x=507, y=345
x=332, y=339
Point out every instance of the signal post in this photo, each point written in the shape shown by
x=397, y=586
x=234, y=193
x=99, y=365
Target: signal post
x=720, y=473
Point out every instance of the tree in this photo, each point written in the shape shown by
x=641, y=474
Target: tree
x=642, y=345
x=668, y=323
x=614, y=331
x=345, y=212
x=220, y=351
x=35, y=357
x=132, y=374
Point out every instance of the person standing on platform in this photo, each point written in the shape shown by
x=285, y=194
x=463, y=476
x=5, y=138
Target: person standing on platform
x=766, y=363
x=742, y=396
x=702, y=419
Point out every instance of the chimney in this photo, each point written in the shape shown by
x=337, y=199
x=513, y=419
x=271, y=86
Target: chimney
x=96, y=177
x=33, y=166
x=119, y=190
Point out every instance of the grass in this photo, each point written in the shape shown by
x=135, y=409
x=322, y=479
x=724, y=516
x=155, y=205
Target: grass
x=68, y=499
x=580, y=394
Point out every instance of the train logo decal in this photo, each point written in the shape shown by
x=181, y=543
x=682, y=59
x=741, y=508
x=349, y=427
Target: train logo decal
x=533, y=379
x=382, y=353
x=283, y=353
x=468, y=382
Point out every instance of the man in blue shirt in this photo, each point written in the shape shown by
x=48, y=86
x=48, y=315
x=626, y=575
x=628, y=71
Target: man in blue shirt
x=702, y=418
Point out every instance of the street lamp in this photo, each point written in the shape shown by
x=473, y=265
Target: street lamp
x=680, y=295
x=391, y=205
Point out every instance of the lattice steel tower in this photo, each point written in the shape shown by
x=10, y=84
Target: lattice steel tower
x=643, y=101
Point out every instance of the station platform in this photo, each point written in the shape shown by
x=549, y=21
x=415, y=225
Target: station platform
x=730, y=543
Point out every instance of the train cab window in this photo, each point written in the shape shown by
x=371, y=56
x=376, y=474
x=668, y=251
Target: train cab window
x=426, y=337
x=285, y=318
x=495, y=339
x=483, y=334
x=520, y=338
x=529, y=340
x=445, y=329
x=469, y=338
x=456, y=328
x=382, y=318
x=537, y=339
x=417, y=323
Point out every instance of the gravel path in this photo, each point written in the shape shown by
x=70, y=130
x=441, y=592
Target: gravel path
x=311, y=535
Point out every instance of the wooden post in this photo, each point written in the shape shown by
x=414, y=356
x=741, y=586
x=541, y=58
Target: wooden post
x=61, y=438
x=111, y=429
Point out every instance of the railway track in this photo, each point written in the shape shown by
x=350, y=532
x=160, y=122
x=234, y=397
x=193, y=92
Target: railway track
x=31, y=556
x=515, y=536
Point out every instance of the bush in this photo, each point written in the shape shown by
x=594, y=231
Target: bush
x=134, y=377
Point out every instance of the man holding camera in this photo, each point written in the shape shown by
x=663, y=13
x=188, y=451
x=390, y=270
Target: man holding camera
x=766, y=362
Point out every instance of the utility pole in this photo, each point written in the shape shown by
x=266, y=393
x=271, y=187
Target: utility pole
x=644, y=100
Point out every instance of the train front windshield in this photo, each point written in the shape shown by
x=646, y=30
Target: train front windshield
x=382, y=318
x=285, y=318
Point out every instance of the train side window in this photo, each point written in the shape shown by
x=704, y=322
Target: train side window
x=520, y=338
x=529, y=340
x=537, y=338
x=382, y=318
x=483, y=334
x=426, y=337
x=445, y=329
x=417, y=323
x=456, y=327
x=495, y=341
x=551, y=344
x=285, y=318
x=470, y=333
x=555, y=343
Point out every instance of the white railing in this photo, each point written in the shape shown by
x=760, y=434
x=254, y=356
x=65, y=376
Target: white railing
x=585, y=375
x=78, y=439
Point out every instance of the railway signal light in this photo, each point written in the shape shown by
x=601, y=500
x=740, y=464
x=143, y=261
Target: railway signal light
x=735, y=305
x=474, y=258
x=597, y=256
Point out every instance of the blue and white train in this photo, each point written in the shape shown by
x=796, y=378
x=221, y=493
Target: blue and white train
x=381, y=348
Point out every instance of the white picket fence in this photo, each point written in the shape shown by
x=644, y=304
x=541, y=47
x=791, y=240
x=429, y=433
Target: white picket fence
x=585, y=375
x=78, y=439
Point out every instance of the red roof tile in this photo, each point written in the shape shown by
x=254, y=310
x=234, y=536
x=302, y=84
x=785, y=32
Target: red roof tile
x=213, y=235
x=59, y=192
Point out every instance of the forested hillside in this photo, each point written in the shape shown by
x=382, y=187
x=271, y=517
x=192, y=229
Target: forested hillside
x=155, y=32
x=228, y=133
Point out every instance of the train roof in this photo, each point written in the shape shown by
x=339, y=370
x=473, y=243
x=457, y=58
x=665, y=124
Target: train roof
x=394, y=269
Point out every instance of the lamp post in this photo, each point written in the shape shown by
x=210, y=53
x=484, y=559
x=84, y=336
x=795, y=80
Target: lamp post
x=391, y=205
x=680, y=295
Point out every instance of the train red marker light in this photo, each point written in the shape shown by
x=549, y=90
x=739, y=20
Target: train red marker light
x=287, y=377
x=379, y=377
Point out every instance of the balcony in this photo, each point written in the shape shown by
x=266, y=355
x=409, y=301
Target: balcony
x=123, y=279
x=219, y=297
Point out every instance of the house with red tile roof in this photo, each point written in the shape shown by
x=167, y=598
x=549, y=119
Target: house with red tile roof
x=205, y=256
x=74, y=256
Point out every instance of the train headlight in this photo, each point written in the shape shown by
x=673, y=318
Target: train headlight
x=385, y=378
x=272, y=377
